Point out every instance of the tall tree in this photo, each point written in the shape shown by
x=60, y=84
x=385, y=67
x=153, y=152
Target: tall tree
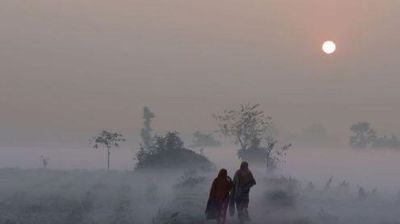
x=147, y=132
x=363, y=135
x=245, y=126
x=254, y=132
x=108, y=140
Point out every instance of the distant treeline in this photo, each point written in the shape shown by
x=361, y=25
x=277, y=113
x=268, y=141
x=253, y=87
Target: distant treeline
x=365, y=136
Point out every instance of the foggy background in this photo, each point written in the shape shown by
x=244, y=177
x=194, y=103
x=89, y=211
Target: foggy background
x=71, y=68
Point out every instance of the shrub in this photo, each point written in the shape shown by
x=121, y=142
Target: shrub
x=169, y=152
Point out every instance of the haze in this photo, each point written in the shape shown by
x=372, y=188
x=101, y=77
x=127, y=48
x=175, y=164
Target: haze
x=69, y=68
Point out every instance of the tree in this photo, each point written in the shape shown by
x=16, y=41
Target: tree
x=254, y=132
x=147, y=132
x=245, y=126
x=108, y=140
x=363, y=136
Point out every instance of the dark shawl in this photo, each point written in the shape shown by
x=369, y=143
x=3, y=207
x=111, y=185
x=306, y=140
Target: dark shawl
x=219, y=196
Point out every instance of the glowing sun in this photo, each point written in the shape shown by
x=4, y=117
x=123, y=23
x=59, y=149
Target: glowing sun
x=329, y=47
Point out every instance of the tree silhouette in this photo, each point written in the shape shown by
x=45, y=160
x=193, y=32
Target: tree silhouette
x=169, y=152
x=253, y=131
x=363, y=135
x=245, y=126
x=108, y=140
x=146, y=132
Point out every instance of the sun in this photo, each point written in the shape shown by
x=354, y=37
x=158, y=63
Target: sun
x=329, y=47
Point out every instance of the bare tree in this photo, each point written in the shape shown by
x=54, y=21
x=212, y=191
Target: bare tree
x=254, y=132
x=108, y=140
x=244, y=126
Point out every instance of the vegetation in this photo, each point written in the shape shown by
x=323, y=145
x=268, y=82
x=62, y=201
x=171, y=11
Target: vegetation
x=204, y=140
x=385, y=142
x=253, y=131
x=117, y=197
x=245, y=126
x=168, y=152
x=165, y=152
x=147, y=132
x=363, y=135
x=108, y=140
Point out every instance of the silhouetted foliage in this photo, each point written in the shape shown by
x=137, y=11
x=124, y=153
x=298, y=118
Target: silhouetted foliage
x=168, y=152
x=363, y=136
x=147, y=132
x=384, y=142
x=108, y=140
x=343, y=187
x=268, y=153
x=245, y=125
x=253, y=131
x=204, y=140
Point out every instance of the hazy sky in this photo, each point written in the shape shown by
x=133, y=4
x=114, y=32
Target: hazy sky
x=72, y=67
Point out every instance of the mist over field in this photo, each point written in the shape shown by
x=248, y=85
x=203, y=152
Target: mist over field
x=124, y=111
x=75, y=188
x=375, y=169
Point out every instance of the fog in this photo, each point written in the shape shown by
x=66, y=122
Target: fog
x=371, y=168
x=81, y=191
x=72, y=68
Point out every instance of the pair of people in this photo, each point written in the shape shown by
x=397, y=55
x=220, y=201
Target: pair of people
x=226, y=192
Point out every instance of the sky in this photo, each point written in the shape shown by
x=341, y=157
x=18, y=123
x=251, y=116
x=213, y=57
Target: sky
x=69, y=68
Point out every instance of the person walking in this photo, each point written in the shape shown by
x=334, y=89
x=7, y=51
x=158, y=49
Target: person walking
x=243, y=181
x=218, y=199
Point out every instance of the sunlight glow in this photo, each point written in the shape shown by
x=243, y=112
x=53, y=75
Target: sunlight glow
x=329, y=47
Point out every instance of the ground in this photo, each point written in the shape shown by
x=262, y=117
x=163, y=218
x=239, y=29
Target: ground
x=117, y=197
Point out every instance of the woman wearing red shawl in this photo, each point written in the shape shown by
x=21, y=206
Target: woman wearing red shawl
x=218, y=200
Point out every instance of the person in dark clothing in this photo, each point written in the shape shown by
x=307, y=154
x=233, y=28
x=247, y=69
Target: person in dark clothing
x=242, y=182
x=218, y=200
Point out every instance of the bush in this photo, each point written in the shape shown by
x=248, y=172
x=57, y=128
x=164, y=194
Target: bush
x=169, y=152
